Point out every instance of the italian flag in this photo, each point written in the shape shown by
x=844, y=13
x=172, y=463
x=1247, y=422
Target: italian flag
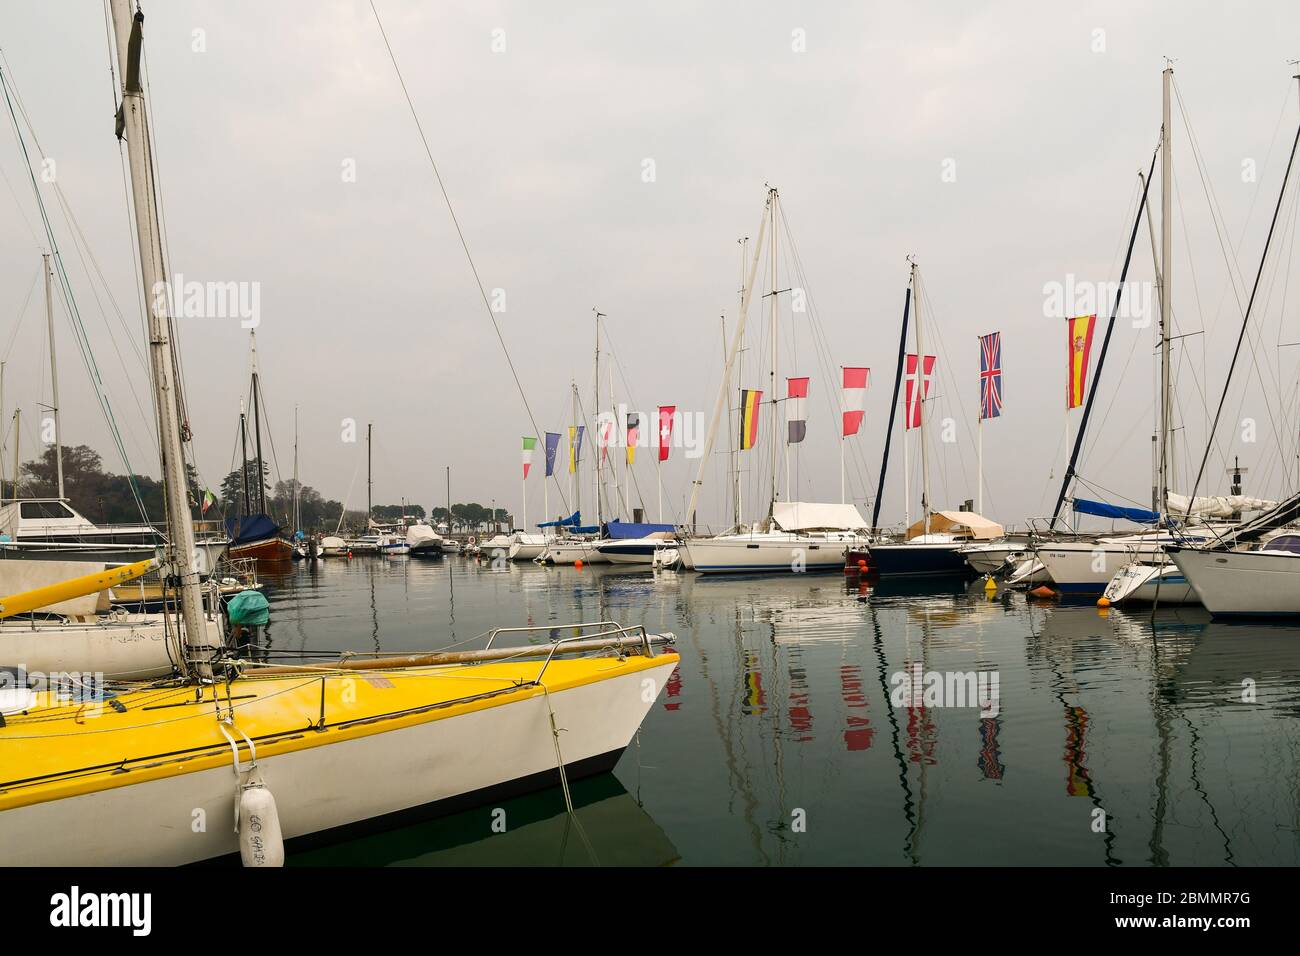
x=529, y=445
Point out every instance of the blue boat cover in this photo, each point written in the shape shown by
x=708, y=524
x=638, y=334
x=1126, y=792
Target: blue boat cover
x=628, y=529
x=249, y=528
x=1103, y=510
x=570, y=522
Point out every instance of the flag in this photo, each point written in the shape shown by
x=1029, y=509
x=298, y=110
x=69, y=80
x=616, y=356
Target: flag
x=750, y=399
x=552, y=446
x=916, y=392
x=575, y=446
x=209, y=499
x=991, y=375
x=529, y=445
x=855, y=398
x=1080, y=346
x=633, y=435
x=796, y=418
x=666, y=413
x=605, y=437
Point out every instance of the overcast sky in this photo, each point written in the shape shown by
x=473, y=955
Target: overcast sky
x=998, y=143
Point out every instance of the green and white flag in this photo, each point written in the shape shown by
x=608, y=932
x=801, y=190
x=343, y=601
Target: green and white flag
x=529, y=445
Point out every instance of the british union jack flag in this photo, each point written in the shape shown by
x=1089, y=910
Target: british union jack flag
x=990, y=375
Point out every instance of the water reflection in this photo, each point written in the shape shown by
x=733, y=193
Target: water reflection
x=777, y=741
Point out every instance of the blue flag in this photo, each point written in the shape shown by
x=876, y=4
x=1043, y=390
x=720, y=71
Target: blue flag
x=552, y=446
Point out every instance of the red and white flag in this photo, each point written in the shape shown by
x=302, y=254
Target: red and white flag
x=795, y=417
x=855, y=398
x=916, y=392
x=666, y=413
x=606, y=437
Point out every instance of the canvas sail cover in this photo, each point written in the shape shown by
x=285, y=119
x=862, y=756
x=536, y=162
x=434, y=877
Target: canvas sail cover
x=1216, y=506
x=817, y=516
x=960, y=523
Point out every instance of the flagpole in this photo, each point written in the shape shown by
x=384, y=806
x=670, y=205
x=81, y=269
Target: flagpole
x=907, y=479
x=659, y=480
x=841, y=466
x=979, y=438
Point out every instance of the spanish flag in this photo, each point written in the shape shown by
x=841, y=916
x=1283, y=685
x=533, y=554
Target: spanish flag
x=1080, y=346
x=749, y=404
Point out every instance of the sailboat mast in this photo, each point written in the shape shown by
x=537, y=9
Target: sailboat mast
x=243, y=456
x=133, y=126
x=296, y=521
x=724, y=389
x=776, y=434
x=54, y=375
x=257, y=434
x=920, y=396
x=893, y=407
x=575, y=486
x=595, y=411
x=449, y=527
x=1166, y=287
x=370, y=484
x=735, y=443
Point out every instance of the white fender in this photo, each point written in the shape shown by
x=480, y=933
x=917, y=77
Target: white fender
x=261, y=842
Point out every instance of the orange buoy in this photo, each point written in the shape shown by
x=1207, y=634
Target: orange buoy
x=862, y=564
x=578, y=564
x=1043, y=592
x=1103, y=602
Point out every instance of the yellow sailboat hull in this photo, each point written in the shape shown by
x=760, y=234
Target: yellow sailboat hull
x=38, y=598
x=337, y=749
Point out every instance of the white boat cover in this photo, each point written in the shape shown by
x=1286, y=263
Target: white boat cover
x=817, y=516
x=1217, y=506
x=963, y=524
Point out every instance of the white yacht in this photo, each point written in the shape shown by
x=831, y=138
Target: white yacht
x=423, y=541
x=799, y=537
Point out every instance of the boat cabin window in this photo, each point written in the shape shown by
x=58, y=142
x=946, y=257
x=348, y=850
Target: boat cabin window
x=1285, y=542
x=44, y=509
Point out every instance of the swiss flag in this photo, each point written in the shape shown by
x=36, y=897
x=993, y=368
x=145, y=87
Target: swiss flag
x=666, y=413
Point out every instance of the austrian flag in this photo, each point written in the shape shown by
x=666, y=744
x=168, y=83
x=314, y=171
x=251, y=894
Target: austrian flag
x=855, y=398
x=796, y=418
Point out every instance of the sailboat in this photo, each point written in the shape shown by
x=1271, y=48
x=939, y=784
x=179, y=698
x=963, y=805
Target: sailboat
x=315, y=751
x=254, y=534
x=937, y=543
x=795, y=537
x=1087, y=564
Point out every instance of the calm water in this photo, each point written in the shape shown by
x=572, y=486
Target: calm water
x=777, y=743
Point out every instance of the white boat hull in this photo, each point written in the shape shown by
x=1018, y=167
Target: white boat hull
x=763, y=554
x=132, y=648
x=1139, y=583
x=571, y=552
x=415, y=771
x=1242, y=583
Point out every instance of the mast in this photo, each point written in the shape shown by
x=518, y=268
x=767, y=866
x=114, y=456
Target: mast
x=776, y=435
x=575, y=486
x=370, y=506
x=1156, y=503
x=595, y=411
x=724, y=388
x=18, y=422
x=54, y=376
x=893, y=408
x=735, y=442
x=1166, y=287
x=132, y=124
x=257, y=427
x=2, y=419
x=449, y=527
x=296, y=520
x=243, y=456
x=920, y=398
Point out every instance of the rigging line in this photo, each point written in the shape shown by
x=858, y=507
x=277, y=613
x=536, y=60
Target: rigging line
x=83, y=342
x=22, y=314
x=487, y=305
x=1249, y=305
x=822, y=347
